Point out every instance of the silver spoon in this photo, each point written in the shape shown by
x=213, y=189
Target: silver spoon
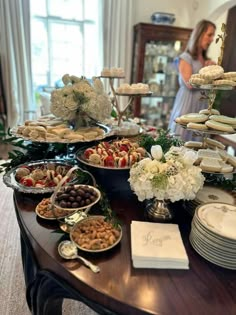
x=68, y=250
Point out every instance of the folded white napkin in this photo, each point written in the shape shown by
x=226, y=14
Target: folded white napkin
x=157, y=245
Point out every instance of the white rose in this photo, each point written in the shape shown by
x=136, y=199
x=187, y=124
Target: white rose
x=156, y=152
x=189, y=157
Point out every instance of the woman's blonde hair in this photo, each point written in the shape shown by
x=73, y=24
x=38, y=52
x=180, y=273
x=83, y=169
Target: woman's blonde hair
x=196, y=35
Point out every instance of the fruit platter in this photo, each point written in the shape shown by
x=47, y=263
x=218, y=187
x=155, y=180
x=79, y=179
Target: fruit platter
x=115, y=155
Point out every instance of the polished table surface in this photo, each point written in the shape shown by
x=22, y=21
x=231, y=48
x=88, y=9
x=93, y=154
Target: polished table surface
x=119, y=288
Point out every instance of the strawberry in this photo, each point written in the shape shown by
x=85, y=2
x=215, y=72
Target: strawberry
x=124, y=147
x=27, y=181
x=123, y=162
x=88, y=152
x=109, y=161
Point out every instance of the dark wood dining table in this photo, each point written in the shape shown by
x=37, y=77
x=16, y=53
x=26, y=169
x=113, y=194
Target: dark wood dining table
x=119, y=288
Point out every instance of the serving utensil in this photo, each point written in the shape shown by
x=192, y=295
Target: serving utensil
x=68, y=250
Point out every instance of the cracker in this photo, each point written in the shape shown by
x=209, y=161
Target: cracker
x=219, y=126
x=223, y=119
x=197, y=126
x=209, y=112
x=193, y=117
x=210, y=165
x=211, y=72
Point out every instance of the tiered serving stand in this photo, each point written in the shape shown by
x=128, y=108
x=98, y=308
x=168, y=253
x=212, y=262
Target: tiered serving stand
x=131, y=96
x=206, y=237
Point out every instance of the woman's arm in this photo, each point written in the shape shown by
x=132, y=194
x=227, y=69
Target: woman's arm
x=185, y=70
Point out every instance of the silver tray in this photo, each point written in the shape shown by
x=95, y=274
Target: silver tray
x=134, y=94
x=10, y=180
x=208, y=131
x=212, y=87
x=66, y=141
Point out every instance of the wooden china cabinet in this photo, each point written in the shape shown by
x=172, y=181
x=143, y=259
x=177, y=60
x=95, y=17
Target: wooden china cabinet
x=155, y=48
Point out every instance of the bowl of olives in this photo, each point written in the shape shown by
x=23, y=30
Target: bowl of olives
x=76, y=197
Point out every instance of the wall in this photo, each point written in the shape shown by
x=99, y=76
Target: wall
x=187, y=14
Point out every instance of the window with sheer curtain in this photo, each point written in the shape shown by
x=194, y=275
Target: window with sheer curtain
x=65, y=38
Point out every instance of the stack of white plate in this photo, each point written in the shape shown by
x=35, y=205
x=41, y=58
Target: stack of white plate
x=213, y=233
x=209, y=194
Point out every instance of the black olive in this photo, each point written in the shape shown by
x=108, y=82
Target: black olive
x=63, y=204
x=73, y=193
x=75, y=205
x=78, y=198
x=87, y=201
x=64, y=196
x=86, y=195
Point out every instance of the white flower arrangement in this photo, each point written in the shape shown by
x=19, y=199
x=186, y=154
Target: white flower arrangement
x=167, y=177
x=79, y=96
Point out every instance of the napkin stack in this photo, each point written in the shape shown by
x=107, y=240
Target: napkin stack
x=157, y=245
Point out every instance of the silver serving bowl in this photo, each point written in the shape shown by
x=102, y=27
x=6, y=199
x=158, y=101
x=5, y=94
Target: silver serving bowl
x=10, y=179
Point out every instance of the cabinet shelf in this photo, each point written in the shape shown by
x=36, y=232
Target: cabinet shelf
x=154, y=50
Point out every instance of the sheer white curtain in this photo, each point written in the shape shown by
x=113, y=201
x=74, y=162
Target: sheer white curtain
x=15, y=57
x=118, y=34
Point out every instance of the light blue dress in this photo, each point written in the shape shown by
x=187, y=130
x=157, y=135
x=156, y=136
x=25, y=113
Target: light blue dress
x=186, y=101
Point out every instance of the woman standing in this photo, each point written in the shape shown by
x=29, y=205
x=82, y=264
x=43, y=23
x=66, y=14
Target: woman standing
x=191, y=61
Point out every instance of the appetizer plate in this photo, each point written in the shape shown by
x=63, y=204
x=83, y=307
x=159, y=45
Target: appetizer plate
x=98, y=242
x=118, y=154
x=81, y=158
x=106, y=129
x=51, y=168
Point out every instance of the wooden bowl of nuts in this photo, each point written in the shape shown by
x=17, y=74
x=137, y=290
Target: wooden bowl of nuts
x=95, y=234
x=76, y=197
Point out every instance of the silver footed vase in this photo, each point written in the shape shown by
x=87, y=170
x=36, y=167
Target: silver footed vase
x=159, y=211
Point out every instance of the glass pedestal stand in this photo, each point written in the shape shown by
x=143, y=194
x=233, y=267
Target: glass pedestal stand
x=115, y=100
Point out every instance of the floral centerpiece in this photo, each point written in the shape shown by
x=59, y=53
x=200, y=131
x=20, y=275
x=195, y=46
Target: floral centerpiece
x=79, y=99
x=170, y=176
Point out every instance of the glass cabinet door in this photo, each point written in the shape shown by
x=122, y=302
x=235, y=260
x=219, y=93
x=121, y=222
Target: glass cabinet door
x=155, y=49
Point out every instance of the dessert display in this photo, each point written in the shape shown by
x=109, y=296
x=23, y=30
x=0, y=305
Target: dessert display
x=215, y=161
x=75, y=197
x=125, y=129
x=95, y=234
x=51, y=129
x=206, y=120
x=135, y=88
x=213, y=75
x=113, y=72
x=116, y=154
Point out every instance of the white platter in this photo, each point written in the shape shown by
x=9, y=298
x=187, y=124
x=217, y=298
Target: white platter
x=214, y=194
x=220, y=218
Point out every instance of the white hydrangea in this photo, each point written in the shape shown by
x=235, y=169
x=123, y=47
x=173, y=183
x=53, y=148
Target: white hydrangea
x=175, y=179
x=78, y=96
